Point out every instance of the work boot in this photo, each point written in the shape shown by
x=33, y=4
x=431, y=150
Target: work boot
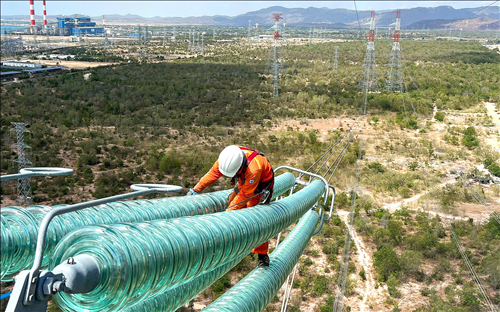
x=263, y=260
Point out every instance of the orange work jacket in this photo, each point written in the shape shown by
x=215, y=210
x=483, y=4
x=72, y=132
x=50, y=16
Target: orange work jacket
x=258, y=172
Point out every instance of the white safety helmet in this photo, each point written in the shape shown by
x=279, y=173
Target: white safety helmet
x=230, y=160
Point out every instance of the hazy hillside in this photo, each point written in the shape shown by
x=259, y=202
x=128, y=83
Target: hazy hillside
x=480, y=23
x=305, y=16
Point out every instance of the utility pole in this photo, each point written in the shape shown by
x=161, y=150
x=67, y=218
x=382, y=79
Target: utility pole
x=23, y=185
x=368, y=75
x=394, y=80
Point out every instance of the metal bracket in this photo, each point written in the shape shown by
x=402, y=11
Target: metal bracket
x=305, y=173
x=16, y=298
x=28, y=296
x=325, y=196
x=37, y=172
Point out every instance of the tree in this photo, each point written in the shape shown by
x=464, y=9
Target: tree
x=387, y=262
x=410, y=261
x=469, y=139
x=439, y=116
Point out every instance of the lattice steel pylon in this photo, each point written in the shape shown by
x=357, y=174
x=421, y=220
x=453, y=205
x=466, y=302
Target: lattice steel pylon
x=368, y=75
x=198, y=44
x=283, y=33
x=203, y=43
x=24, y=194
x=336, y=57
x=275, y=63
x=249, y=35
x=105, y=43
x=394, y=80
x=310, y=36
x=189, y=41
x=174, y=35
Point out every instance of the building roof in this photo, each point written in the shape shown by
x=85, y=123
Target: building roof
x=10, y=73
x=44, y=69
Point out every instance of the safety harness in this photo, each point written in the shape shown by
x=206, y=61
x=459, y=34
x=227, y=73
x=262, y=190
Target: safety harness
x=264, y=187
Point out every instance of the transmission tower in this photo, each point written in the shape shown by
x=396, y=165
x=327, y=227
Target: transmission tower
x=275, y=59
x=394, y=80
x=192, y=42
x=106, y=41
x=23, y=185
x=249, y=36
x=202, y=43
x=368, y=75
x=336, y=56
x=189, y=42
x=283, y=33
x=174, y=33
x=310, y=36
x=197, y=42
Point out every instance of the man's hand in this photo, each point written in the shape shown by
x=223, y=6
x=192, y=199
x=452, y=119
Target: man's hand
x=192, y=192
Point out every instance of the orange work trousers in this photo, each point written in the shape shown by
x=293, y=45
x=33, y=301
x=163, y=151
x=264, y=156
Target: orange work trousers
x=262, y=249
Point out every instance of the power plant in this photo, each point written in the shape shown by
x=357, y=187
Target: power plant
x=75, y=25
x=78, y=26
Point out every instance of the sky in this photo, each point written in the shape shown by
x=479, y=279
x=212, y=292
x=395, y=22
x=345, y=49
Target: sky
x=200, y=8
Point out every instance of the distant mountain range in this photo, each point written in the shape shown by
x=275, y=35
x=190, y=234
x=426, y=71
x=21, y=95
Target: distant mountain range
x=480, y=23
x=437, y=17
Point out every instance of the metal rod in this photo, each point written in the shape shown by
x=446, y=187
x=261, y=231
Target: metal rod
x=291, y=286
x=333, y=200
x=37, y=172
x=305, y=173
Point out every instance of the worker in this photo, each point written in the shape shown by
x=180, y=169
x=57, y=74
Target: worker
x=255, y=178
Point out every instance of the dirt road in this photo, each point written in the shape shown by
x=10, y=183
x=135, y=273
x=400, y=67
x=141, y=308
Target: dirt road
x=371, y=296
x=490, y=107
x=395, y=206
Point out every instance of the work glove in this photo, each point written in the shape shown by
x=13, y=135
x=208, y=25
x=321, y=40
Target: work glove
x=192, y=192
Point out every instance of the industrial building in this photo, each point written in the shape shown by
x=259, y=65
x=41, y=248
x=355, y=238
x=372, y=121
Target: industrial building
x=78, y=26
x=24, y=65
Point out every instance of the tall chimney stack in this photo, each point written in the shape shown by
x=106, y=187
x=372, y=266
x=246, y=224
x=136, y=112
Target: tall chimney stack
x=32, y=12
x=44, y=14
